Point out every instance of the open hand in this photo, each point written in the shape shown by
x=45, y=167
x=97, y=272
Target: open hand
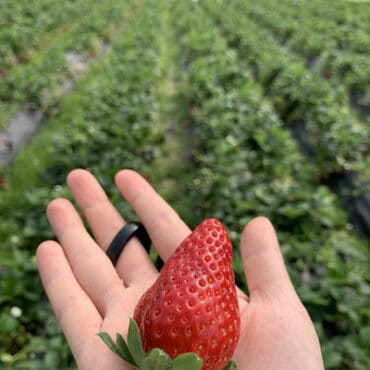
x=90, y=295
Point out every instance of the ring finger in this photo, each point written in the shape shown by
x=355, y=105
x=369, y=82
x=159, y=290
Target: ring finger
x=92, y=270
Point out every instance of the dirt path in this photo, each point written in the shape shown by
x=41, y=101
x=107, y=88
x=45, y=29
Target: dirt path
x=173, y=169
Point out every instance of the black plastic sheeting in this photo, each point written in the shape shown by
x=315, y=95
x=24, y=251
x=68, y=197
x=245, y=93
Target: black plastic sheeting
x=354, y=196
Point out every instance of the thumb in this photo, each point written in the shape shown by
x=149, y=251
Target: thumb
x=263, y=262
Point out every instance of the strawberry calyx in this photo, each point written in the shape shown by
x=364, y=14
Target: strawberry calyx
x=156, y=359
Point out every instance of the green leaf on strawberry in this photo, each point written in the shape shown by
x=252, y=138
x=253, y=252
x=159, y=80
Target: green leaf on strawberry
x=134, y=343
x=230, y=365
x=155, y=359
x=120, y=349
x=181, y=362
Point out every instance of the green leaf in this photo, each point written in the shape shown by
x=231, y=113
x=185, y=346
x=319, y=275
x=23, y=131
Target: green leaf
x=126, y=355
x=187, y=361
x=120, y=350
x=365, y=336
x=156, y=359
x=109, y=342
x=230, y=365
x=134, y=342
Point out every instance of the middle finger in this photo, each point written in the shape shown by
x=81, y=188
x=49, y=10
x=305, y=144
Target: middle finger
x=105, y=222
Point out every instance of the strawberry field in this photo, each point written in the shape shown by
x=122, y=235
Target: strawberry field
x=230, y=109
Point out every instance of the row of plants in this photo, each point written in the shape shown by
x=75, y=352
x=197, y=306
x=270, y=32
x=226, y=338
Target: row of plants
x=353, y=13
x=336, y=51
x=319, y=115
x=24, y=23
x=108, y=122
x=39, y=83
x=247, y=164
x=298, y=19
x=299, y=95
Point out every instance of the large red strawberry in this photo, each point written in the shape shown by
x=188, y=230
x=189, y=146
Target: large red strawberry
x=192, y=306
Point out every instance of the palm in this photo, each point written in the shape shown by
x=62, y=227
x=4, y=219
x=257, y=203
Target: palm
x=277, y=336
x=98, y=355
x=90, y=295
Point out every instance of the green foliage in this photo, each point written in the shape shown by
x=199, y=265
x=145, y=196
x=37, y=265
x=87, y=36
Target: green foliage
x=247, y=73
x=26, y=23
x=106, y=124
x=248, y=164
x=38, y=82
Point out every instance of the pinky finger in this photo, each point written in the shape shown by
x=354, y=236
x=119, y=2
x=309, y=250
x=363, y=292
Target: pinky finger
x=74, y=310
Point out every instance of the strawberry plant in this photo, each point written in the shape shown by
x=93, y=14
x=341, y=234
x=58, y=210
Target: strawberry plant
x=247, y=73
x=248, y=164
x=300, y=95
x=317, y=111
x=337, y=51
x=114, y=103
x=27, y=22
x=38, y=83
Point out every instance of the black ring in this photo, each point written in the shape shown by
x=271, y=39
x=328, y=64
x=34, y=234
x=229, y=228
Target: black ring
x=124, y=235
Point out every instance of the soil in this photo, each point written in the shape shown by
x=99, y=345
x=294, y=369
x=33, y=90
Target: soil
x=27, y=122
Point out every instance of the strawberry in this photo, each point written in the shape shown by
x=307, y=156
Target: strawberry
x=193, y=306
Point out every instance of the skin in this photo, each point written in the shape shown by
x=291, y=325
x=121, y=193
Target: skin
x=89, y=294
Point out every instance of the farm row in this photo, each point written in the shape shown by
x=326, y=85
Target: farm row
x=339, y=52
x=352, y=13
x=318, y=113
x=41, y=82
x=24, y=23
x=106, y=123
x=237, y=95
x=270, y=176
